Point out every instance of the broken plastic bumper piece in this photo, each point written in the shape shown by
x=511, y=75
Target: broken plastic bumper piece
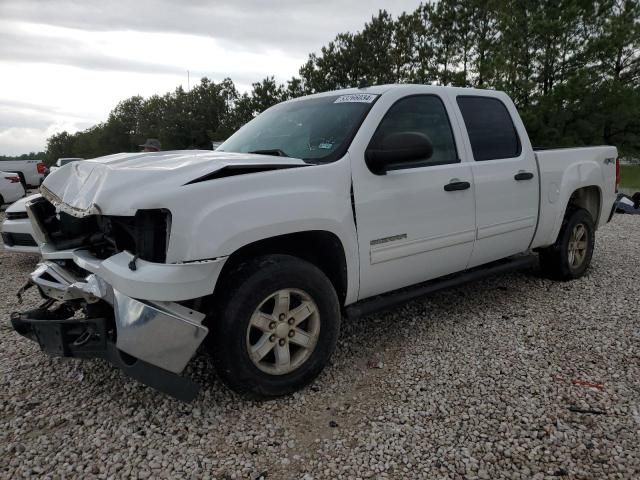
x=150, y=340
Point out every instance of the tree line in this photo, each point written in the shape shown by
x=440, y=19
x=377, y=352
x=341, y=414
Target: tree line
x=571, y=66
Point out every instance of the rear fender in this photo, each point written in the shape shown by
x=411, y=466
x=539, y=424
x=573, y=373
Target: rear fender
x=577, y=176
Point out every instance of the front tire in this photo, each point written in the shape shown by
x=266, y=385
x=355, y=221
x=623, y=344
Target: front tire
x=275, y=327
x=570, y=256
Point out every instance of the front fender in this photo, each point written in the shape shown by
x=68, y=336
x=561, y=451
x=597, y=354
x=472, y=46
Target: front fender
x=224, y=215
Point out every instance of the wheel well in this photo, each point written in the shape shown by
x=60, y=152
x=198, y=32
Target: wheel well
x=589, y=199
x=321, y=248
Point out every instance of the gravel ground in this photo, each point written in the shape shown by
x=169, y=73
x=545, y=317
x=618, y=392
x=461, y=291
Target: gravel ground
x=512, y=377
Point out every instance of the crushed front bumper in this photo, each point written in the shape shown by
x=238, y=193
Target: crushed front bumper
x=89, y=338
x=150, y=340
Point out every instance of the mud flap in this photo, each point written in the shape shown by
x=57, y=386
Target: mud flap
x=174, y=385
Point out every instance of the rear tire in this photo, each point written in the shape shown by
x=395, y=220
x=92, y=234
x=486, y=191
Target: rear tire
x=570, y=256
x=258, y=348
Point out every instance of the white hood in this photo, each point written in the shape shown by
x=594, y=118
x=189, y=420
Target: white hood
x=122, y=183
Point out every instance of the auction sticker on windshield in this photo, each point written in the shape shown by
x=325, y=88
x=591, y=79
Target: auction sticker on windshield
x=356, y=97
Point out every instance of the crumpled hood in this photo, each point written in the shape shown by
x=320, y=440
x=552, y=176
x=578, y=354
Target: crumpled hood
x=122, y=183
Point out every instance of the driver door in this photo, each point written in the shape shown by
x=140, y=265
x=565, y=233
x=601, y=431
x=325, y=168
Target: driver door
x=416, y=222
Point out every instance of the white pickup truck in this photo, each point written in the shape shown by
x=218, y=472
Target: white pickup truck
x=336, y=203
x=31, y=172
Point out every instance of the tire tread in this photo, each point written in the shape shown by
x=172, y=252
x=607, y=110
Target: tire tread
x=553, y=262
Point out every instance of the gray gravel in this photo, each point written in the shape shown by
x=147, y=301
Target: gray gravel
x=491, y=380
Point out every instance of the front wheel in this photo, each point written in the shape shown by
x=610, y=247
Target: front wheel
x=570, y=256
x=276, y=326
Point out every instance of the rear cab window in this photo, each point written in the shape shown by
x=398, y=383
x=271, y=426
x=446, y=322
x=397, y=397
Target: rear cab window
x=492, y=134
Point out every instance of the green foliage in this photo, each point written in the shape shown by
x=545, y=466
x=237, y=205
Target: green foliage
x=61, y=145
x=25, y=156
x=630, y=177
x=571, y=66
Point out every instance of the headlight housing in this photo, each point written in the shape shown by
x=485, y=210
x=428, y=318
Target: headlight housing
x=146, y=234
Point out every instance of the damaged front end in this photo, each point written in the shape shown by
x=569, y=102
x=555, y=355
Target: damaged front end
x=86, y=278
x=146, y=234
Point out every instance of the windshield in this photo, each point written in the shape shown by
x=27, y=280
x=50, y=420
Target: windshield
x=315, y=129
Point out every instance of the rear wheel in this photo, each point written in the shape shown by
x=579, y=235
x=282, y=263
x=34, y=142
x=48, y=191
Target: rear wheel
x=276, y=327
x=571, y=255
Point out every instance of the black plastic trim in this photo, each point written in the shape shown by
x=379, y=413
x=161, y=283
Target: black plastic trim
x=16, y=215
x=18, y=240
x=456, y=186
x=523, y=176
x=613, y=211
x=234, y=170
x=397, y=297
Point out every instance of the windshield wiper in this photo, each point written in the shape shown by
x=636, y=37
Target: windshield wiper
x=276, y=152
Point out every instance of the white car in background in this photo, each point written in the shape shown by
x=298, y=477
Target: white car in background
x=17, y=233
x=11, y=188
x=61, y=162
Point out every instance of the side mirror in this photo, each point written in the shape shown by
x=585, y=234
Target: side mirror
x=396, y=149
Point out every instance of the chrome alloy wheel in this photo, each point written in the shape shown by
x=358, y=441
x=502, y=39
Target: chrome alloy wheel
x=578, y=244
x=283, y=331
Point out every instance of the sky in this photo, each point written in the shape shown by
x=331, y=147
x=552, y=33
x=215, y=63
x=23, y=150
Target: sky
x=64, y=64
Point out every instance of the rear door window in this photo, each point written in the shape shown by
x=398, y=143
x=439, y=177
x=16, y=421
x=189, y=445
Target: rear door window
x=491, y=131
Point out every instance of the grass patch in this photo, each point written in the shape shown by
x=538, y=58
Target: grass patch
x=630, y=176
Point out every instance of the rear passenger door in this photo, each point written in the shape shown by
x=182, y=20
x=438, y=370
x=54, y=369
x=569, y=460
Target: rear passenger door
x=505, y=178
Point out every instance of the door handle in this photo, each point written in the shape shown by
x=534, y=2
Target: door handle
x=523, y=176
x=456, y=185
